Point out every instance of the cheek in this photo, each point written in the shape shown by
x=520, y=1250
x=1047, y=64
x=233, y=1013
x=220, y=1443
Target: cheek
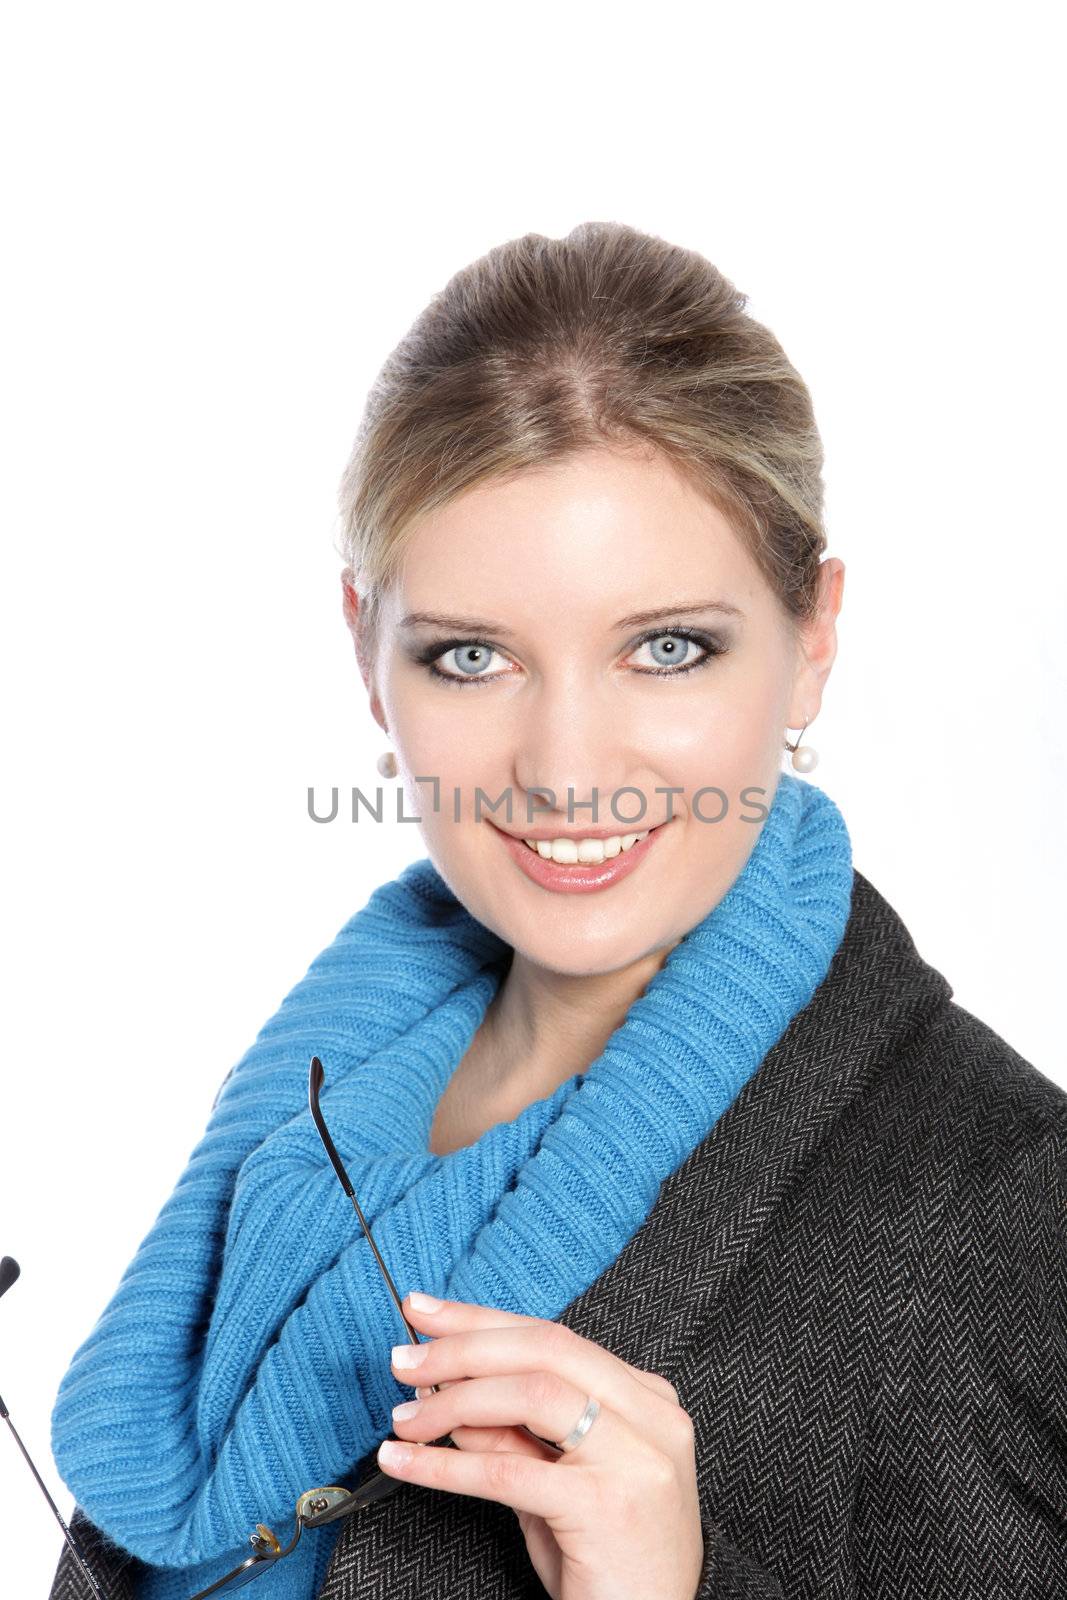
x=459, y=763
x=730, y=743
x=445, y=729
x=454, y=755
x=435, y=724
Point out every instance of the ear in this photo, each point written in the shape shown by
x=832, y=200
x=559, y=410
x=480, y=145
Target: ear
x=350, y=603
x=817, y=644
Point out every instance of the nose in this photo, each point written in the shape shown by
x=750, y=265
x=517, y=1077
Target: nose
x=572, y=749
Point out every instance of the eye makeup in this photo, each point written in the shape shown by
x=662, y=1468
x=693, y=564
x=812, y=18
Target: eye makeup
x=427, y=655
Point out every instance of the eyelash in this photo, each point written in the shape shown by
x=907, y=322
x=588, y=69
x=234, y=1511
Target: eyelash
x=712, y=646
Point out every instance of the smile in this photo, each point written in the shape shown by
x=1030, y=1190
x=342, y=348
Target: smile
x=590, y=852
x=581, y=866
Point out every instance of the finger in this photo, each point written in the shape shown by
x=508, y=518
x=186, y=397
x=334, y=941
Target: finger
x=468, y=1437
x=541, y=1401
x=517, y=1481
x=497, y=1438
x=658, y=1383
x=533, y=1344
x=471, y=1314
x=454, y=1314
x=652, y=1380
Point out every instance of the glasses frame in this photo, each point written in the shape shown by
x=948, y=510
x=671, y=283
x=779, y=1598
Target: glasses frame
x=315, y=1507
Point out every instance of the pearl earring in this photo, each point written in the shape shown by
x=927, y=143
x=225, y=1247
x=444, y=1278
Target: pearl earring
x=387, y=764
x=805, y=758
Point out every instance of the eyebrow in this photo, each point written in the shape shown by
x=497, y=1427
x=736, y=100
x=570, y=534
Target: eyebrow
x=481, y=625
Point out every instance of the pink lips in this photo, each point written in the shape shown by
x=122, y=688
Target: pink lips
x=579, y=879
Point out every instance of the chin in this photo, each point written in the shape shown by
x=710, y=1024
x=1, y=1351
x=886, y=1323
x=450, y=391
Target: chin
x=581, y=949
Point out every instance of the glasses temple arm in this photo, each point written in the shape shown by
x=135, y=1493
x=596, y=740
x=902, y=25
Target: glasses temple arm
x=5, y=1415
x=315, y=1081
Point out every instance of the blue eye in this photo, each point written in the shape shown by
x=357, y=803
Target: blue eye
x=472, y=656
x=676, y=651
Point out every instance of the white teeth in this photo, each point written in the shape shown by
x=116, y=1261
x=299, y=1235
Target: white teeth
x=587, y=851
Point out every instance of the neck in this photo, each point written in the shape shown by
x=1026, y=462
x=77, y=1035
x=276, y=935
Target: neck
x=543, y=1026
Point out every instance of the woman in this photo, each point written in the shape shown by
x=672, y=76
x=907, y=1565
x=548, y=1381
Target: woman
x=751, y=1241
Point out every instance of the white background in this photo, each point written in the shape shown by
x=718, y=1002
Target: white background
x=220, y=218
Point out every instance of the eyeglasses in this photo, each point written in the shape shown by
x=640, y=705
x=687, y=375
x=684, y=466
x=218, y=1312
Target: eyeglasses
x=315, y=1507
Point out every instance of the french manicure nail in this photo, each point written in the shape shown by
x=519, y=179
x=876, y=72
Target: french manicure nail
x=406, y=1356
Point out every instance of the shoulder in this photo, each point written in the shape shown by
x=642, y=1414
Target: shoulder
x=975, y=1136
x=965, y=1093
x=990, y=1192
x=991, y=1127
x=1001, y=1113
x=952, y=1137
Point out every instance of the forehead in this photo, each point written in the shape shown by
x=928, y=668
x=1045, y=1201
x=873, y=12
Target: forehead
x=601, y=533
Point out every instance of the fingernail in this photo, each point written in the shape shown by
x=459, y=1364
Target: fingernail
x=420, y=1394
x=407, y=1408
x=393, y=1454
x=424, y=1302
x=407, y=1356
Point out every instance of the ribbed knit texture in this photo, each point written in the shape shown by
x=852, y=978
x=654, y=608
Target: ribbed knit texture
x=245, y=1355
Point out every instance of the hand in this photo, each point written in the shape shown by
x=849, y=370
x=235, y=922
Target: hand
x=616, y=1519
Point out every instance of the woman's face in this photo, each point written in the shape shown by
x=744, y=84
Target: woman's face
x=546, y=680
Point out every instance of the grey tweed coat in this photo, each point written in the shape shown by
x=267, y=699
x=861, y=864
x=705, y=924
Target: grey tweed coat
x=858, y=1284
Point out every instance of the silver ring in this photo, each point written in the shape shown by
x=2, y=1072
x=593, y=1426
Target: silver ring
x=582, y=1426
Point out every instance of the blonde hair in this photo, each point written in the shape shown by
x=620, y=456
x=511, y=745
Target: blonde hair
x=608, y=337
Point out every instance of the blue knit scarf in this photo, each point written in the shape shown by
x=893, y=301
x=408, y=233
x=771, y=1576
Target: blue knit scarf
x=245, y=1355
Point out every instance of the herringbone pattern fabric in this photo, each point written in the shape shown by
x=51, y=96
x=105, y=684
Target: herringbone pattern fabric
x=113, y=1569
x=858, y=1284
